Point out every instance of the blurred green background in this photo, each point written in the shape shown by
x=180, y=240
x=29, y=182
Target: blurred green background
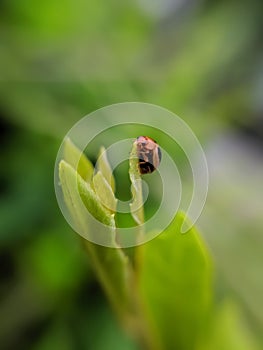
x=59, y=61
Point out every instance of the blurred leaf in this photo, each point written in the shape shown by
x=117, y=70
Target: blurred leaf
x=136, y=187
x=229, y=330
x=99, y=330
x=55, y=263
x=57, y=336
x=105, y=168
x=104, y=192
x=175, y=286
x=78, y=160
x=114, y=272
x=26, y=185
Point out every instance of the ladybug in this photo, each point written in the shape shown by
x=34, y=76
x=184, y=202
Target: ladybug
x=149, y=154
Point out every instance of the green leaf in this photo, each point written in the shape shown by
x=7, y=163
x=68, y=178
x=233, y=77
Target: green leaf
x=110, y=264
x=68, y=180
x=175, y=287
x=104, y=167
x=76, y=193
x=104, y=192
x=78, y=160
x=136, y=206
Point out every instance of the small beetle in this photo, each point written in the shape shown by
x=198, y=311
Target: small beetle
x=149, y=154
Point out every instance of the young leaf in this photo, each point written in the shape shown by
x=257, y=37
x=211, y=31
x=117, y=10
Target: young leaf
x=136, y=188
x=104, y=192
x=104, y=167
x=175, y=286
x=111, y=264
x=68, y=180
x=78, y=160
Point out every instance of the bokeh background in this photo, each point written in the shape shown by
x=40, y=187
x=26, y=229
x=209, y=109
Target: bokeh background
x=59, y=61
